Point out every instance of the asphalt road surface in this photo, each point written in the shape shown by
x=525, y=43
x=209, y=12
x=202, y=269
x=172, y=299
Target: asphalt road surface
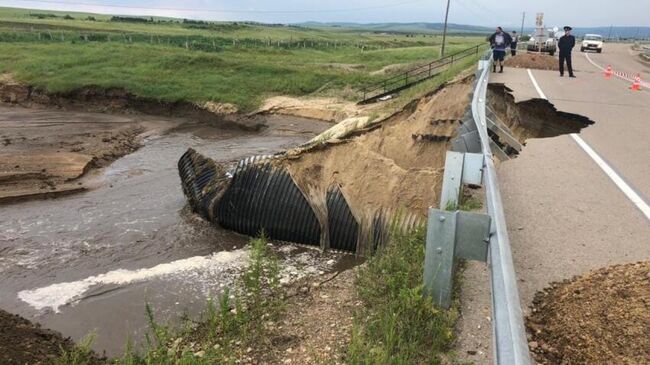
x=568, y=210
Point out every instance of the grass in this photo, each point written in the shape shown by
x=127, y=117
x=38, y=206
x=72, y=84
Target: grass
x=397, y=324
x=81, y=354
x=239, y=64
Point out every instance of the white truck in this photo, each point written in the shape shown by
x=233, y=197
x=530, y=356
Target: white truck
x=545, y=43
x=543, y=40
x=592, y=42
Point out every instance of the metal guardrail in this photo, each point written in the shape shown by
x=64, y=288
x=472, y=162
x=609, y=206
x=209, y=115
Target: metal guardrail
x=510, y=343
x=475, y=236
x=416, y=75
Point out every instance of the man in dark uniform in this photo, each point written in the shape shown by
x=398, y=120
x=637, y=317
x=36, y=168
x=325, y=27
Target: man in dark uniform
x=566, y=44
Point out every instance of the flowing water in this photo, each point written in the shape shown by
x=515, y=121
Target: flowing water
x=90, y=262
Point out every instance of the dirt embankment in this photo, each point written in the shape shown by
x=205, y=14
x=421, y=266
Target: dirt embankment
x=22, y=342
x=602, y=317
x=392, y=165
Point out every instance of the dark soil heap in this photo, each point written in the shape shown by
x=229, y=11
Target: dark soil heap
x=534, y=60
x=602, y=317
x=22, y=342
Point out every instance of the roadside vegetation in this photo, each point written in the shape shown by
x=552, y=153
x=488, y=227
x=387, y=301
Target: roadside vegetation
x=397, y=324
x=176, y=60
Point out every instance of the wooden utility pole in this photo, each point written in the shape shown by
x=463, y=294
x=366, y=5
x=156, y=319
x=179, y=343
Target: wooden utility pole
x=444, y=32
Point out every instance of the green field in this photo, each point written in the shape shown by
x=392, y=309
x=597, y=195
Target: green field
x=177, y=60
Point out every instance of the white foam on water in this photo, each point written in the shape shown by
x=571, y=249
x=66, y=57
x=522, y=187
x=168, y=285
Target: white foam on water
x=57, y=295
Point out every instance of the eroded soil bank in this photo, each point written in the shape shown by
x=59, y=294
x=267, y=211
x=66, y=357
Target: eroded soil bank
x=394, y=164
x=47, y=153
x=117, y=100
x=602, y=317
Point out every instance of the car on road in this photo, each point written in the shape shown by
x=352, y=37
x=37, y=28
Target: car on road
x=592, y=42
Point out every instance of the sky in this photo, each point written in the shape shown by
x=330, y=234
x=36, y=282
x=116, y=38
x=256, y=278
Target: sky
x=507, y=13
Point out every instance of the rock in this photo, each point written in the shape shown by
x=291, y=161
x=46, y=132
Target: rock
x=533, y=345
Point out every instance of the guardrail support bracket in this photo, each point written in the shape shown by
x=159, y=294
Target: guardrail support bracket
x=460, y=168
x=452, y=235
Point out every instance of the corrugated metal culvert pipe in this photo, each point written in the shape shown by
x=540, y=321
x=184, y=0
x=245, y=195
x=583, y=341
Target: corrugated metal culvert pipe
x=258, y=196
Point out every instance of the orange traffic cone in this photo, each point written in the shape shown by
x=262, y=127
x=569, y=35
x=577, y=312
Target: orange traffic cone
x=608, y=72
x=636, y=85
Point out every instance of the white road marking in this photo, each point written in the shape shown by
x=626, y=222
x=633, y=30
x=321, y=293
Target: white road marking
x=618, y=180
x=539, y=90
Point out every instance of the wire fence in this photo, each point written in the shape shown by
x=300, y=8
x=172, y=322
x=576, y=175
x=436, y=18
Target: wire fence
x=196, y=42
x=415, y=75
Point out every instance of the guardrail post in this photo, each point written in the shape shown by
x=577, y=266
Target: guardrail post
x=452, y=235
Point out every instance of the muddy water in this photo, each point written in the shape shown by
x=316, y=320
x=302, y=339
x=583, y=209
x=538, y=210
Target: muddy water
x=90, y=262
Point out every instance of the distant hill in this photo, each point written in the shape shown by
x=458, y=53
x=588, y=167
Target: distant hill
x=402, y=27
x=434, y=28
x=616, y=32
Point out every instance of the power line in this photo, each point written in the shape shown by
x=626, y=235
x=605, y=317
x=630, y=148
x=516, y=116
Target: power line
x=242, y=11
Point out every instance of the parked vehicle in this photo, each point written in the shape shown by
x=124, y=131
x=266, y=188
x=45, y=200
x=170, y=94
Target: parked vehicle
x=592, y=42
x=546, y=43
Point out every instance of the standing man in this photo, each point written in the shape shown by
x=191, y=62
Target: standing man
x=499, y=41
x=513, y=45
x=566, y=44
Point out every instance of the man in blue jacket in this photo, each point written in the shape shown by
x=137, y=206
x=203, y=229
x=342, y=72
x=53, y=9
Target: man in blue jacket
x=566, y=44
x=499, y=41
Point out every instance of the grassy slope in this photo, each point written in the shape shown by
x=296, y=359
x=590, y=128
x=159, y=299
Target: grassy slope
x=234, y=74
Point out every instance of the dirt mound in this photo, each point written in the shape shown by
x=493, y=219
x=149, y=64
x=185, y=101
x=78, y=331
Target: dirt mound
x=22, y=342
x=602, y=317
x=533, y=60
